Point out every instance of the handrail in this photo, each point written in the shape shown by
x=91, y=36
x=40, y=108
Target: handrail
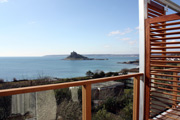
x=86, y=92
x=13, y=91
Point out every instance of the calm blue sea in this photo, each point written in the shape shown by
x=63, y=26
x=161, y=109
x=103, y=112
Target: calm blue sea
x=36, y=67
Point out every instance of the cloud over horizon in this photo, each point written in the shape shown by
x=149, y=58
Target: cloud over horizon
x=124, y=39
x=3, y=1
x=118, y=32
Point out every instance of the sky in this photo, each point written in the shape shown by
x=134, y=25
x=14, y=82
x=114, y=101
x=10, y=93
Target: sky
x=53, y=27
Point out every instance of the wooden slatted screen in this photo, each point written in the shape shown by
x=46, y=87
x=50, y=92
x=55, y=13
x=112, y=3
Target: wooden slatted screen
x=155, y=10
x=162, y=84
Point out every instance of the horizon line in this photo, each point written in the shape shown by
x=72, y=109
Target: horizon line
x=68, y=54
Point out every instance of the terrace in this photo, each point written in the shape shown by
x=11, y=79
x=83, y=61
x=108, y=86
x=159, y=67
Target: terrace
x=156, y=93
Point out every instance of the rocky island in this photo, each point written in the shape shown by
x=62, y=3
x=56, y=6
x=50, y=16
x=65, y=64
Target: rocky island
x=76, y=56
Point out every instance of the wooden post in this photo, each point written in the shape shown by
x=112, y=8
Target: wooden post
x=86, y=102
x=175, y=88
x=147, y=72
x=136, y=89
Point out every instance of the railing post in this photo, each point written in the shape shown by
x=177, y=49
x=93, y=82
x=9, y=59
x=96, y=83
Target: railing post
x=86, y=102
x=136, y=88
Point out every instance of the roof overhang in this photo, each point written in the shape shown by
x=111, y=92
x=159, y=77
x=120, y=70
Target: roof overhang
x=170, y=5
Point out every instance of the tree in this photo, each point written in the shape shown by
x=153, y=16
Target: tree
x=89, y=73
x=109, y=74
x=102, y=74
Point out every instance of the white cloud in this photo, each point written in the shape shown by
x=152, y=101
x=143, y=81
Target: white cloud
x=106, y=46
x=115, y=33
x=118, y=32
x=125, y=39
x=3, y=1
x=128, y=30
x=132, y=42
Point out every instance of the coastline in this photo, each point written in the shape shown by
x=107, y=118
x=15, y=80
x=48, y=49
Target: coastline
x=50, y=80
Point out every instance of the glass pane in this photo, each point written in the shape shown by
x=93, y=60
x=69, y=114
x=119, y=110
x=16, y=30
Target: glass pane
x=61, y=104
x=112, y=100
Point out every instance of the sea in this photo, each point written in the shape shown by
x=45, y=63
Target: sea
x=54, y=66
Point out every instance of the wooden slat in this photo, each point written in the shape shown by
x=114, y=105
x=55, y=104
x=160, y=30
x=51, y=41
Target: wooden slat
x=163, y=114
x=13, y=91
x=165, y=61
x=156, y=5
x=159, y=43
x=167, y=66
x=151, y=103
x=156, y=118
x=171, y=47
x=159, y=56
x=164, y=93
x=165, y=70
x=165, y=18
x=166, y=24
x=167, y=33
x=159, y=83
x=175, y=88
x=156, y=109
x=176, y=76
x=166, y=98
x=165, y=38
x=162, y=79
x=161, y=88
x=151, y=15
x=165, y=29
x=170, y=112
x=167, y=52
x=161, y=101
x=154, y=12
x=155, y=8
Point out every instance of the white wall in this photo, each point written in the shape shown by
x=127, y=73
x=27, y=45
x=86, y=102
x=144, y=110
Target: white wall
x=142, y=17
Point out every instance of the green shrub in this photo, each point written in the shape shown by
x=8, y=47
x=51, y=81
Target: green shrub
x=102, y=114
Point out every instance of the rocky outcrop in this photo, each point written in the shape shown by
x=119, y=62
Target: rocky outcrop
x=130, y=62
x=76, y=56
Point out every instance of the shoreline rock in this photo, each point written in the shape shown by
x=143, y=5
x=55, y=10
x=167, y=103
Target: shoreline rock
x=136, y=62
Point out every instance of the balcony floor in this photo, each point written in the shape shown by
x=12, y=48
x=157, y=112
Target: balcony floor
x=171, y=114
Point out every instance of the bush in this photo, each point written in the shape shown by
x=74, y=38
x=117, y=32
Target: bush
x=62, y=94
x=109, y=74
x=1, y=81
x=102, y=114
x=69, y=110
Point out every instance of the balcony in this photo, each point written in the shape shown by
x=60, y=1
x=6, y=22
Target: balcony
x=156, y=90
x=20, y=95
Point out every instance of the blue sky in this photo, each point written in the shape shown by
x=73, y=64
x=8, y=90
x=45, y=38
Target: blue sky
x=44, y=27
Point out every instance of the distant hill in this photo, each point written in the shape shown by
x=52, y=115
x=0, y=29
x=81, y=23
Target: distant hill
x=76, y=56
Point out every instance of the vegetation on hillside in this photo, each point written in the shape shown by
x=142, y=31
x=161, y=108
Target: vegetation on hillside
x=114, y=107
